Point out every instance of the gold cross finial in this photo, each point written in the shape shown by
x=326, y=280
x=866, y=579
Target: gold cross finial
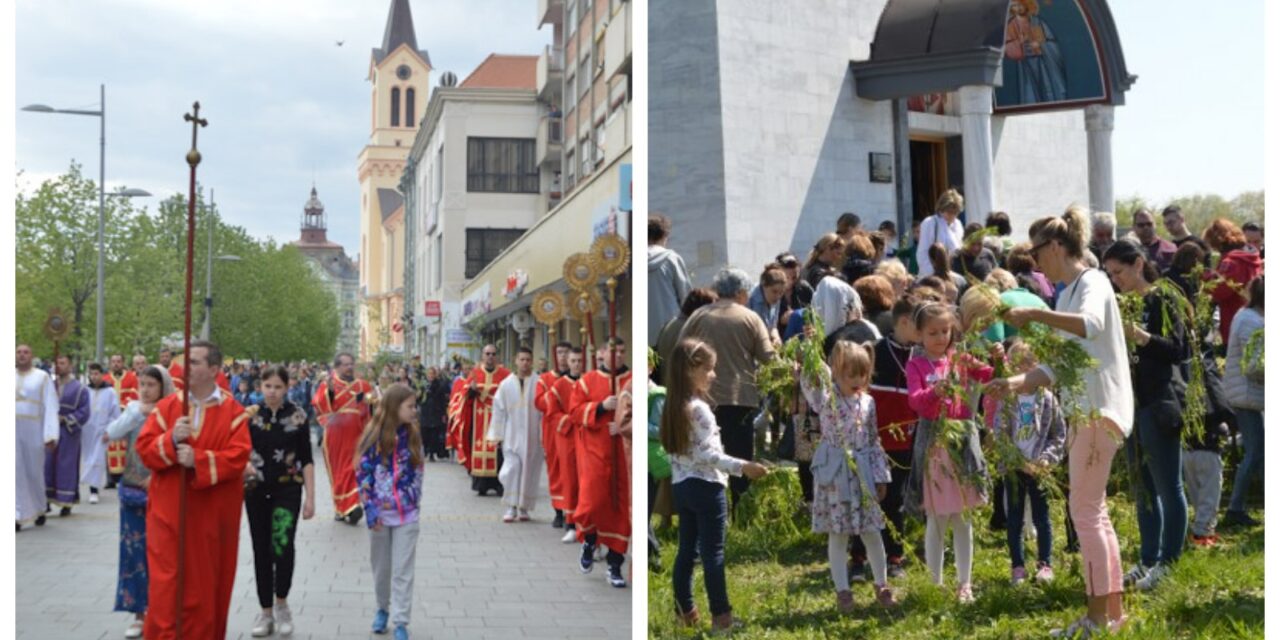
x=193, y=156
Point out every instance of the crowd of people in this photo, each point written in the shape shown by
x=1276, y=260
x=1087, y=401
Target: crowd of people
x=247, y=439
x=935, y=379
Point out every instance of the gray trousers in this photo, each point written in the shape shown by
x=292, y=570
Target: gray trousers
x=1202, y=474
x=391, y=552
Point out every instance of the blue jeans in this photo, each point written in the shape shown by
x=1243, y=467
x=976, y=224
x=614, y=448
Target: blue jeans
x=703, y=514
x=1250, y=424
x=1018, y=487
x=1162, y=508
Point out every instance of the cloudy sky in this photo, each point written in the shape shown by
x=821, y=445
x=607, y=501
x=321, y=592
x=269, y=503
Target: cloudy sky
x=286, y=106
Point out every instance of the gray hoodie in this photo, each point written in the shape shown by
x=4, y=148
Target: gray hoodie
x=668, y=286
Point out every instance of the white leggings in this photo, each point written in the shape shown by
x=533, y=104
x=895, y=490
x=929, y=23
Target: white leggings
x=935, y=532
x=838, y=556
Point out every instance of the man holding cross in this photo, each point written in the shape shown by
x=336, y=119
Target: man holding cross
x=202, y=454
x=342, y=405
x=483, y=458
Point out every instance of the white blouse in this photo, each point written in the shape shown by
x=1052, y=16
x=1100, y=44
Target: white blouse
x=1107, y=388
x=705, y=458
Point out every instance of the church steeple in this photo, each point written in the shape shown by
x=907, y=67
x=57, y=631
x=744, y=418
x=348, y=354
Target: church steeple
x=314, y=225
x=399, y=30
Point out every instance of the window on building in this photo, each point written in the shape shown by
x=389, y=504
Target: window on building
x=437, y=252
x=584, y=76
x=571, y=25
x=586, y=155
x=502, y=165
x=598, y=147
x=571, y=173
x=483, y=245
x=395, y=106
x=408, y=108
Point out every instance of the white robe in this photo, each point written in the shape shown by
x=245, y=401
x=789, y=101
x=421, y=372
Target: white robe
x=104, y=407
x=517, y=423
x=37, y=423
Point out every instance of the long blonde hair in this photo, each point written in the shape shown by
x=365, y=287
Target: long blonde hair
x=380, y=432
x=689, y=356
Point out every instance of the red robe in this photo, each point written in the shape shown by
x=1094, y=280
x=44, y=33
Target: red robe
x=215, y=494
x=474, y=416
x=604, y=487
x=566, y=436
x=343, y=420
x=127, y=391
x=545, y=402
x=453, y=437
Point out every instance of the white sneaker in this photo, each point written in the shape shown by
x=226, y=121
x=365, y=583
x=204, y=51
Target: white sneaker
x=284, y=620
x=93, y=498
x=134, y=630
x=510, y=515
x=1135, y=573
x=263, y=626
x=523, y=515
x=1154, y=576
x=570, y=536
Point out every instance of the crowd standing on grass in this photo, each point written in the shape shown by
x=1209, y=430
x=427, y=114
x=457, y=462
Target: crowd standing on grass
x=257, y=428
x=966, y=369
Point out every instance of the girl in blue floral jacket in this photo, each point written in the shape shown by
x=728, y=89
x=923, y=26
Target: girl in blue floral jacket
x=389, y=472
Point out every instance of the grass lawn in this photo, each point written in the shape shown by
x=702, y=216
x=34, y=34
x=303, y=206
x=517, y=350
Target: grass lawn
x=780, y=586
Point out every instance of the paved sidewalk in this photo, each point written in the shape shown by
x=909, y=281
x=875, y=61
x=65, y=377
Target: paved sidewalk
x=476, y=577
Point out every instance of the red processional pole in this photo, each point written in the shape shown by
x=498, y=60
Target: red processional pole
x=193, y=159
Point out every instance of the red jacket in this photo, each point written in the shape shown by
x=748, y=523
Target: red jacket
x=1240, y=267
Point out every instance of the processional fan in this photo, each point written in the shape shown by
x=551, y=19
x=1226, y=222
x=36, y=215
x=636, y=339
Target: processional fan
x=610, y=255
x=581, y=276
x=548, y=309
x=56, y=329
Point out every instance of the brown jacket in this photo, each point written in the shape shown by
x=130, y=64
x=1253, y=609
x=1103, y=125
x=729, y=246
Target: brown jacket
x=741, y=342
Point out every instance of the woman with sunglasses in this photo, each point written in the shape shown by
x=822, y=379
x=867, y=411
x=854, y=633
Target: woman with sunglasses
x=1088, y=314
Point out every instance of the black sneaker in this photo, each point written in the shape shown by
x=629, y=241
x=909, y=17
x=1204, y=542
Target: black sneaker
x=858, y=572
x=588, y=557
x=558, y=522
x=615, y=578
x=1238, y=519
x=355, y=516
x=40, y=521
x=64, y=512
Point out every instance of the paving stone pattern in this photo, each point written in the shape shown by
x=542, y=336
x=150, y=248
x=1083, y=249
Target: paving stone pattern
x=476, y=576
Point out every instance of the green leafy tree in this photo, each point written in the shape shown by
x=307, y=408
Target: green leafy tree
x=56, y=242
x=269, y=305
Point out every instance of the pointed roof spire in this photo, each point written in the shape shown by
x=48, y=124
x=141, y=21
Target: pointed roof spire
x=399, y=31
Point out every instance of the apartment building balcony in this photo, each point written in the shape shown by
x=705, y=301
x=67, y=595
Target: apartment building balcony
x=550, y=74
x=617, y=42
x=550, y=12
x=549, y=143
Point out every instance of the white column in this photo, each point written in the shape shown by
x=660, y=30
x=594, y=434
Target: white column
x=979, y=170
x=1099, y=122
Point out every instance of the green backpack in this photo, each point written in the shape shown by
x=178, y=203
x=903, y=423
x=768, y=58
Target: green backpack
x=659, y=463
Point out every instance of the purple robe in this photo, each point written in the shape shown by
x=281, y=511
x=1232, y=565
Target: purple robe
x=62, y=465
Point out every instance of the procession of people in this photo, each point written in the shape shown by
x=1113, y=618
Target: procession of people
x=966, y=371
x=181, y=479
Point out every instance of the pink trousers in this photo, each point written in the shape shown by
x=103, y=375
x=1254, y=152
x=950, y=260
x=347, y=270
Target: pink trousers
x=1092, y=448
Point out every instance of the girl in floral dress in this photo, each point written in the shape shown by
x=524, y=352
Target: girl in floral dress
x=848, y=462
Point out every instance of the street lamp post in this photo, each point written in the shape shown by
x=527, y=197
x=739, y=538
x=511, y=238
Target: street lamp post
x=101, y=114
x=208, y=287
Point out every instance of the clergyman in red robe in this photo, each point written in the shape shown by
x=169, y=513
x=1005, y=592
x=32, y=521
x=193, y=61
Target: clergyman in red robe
x=342, y=405
x=202, y=454
x=603, y=512
x=484, y=458
x=544, y=401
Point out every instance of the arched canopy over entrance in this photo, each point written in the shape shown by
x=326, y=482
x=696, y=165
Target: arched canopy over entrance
x=1039, y=55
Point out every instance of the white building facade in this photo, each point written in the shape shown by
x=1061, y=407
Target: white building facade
x=460, y=216
x=763, y=131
